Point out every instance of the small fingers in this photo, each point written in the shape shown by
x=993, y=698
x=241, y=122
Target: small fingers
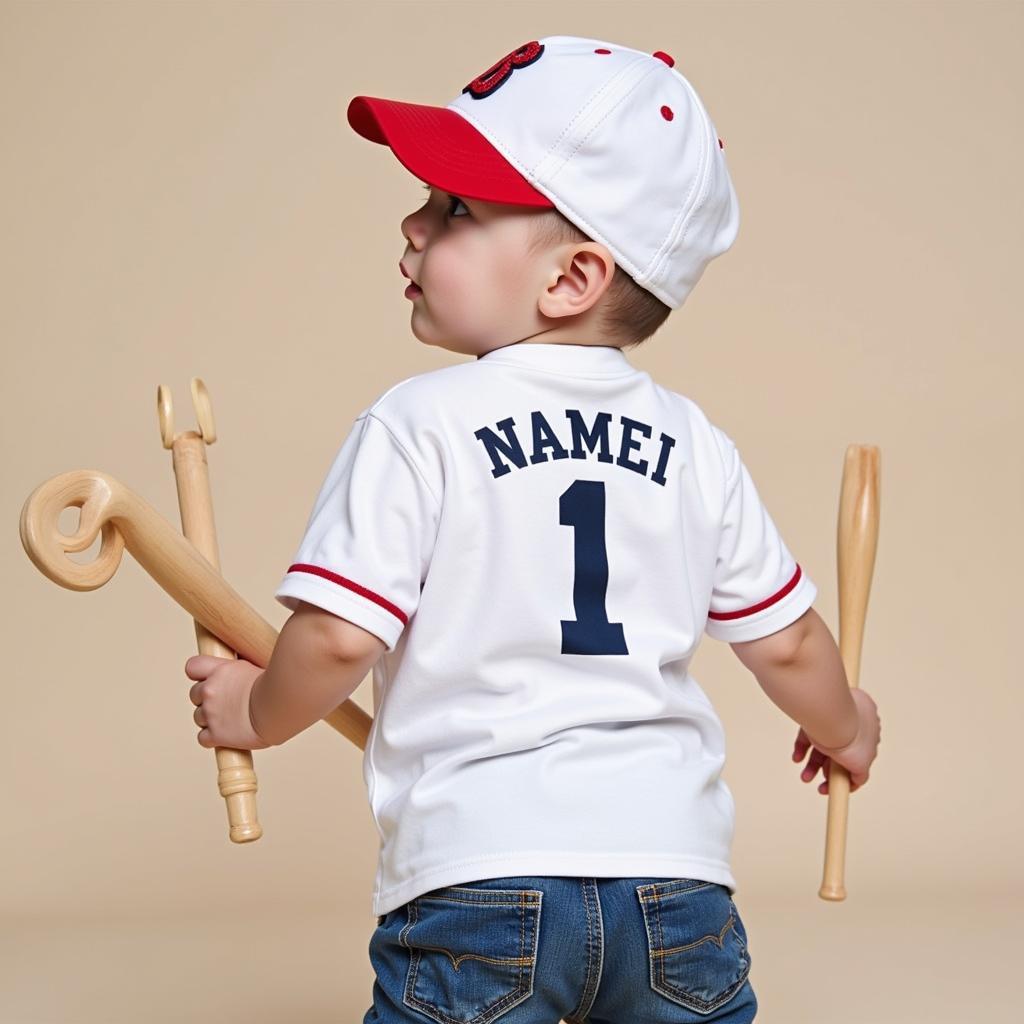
x=196, y=667
x=199, y=666
x=855, y=784
x=814, y=762
x=800, y=746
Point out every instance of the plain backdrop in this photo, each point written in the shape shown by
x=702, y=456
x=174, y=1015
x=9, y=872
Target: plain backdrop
x=182, y=196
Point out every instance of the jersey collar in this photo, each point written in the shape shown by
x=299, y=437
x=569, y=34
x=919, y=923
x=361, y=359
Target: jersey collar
x=561, y=357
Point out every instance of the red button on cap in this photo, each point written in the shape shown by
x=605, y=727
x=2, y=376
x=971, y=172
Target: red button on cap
x=666, y=57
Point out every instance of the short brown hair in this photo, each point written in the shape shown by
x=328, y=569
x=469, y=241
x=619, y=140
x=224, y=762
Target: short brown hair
x=629, y=313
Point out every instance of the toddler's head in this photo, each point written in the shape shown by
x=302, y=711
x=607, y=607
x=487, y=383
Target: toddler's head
x=484, y=275
x=575, y=192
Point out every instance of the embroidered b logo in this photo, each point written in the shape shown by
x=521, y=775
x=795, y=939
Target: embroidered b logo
x=500, y=73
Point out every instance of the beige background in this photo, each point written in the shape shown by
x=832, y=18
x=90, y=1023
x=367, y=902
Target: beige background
x=181, y=196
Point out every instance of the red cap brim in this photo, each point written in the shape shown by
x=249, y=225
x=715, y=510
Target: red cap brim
x=442, y=149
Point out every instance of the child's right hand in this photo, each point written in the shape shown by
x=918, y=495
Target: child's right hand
x=856, y=757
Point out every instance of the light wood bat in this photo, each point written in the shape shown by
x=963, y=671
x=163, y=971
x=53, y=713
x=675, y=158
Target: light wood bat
x=856, y=543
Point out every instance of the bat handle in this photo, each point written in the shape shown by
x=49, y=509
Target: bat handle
x=236, y=780
x=236, y=777
x=832, y=885
x=857, y=542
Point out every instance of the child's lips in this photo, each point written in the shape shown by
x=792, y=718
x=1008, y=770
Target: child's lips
x=413, y=288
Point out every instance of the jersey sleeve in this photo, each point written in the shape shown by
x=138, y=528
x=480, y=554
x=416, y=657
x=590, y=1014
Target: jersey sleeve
x=758, y=586
x=369, y=539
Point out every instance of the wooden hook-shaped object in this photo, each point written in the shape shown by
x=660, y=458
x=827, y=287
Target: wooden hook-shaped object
x=123, y=519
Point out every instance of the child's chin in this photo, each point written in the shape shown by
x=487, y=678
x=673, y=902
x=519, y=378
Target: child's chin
x=425, y=339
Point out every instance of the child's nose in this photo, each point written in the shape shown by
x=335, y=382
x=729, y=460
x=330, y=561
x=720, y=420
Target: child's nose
x=415, y=228
x=412, y=229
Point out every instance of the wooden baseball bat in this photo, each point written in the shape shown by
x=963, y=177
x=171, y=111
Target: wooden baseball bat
x=856, y=543
x=236, y=777
x=124, y=520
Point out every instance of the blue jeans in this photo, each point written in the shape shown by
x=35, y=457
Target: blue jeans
x=531, y=949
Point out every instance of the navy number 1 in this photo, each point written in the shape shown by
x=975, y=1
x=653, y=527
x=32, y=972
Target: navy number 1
x=582, y=506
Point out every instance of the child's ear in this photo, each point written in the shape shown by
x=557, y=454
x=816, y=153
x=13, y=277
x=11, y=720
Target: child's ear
x=581, y=278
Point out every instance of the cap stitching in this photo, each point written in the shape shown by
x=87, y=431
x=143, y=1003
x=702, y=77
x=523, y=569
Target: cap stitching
x=653, y=262
x=592, y=102
x=649, y=274
x=678, y=228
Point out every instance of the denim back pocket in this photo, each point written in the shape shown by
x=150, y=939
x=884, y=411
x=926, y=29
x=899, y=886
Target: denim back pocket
x=473, y=952
x=696, y=942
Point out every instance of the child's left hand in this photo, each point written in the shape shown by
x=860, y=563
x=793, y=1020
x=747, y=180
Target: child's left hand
x=222, y=701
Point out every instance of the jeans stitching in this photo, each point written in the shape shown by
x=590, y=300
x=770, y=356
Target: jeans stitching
x=651, y=907
x=493, y=897
x=593, y=890
x=522, y=937
x=574, y=1017
x=529, y=899
x=583, y=1007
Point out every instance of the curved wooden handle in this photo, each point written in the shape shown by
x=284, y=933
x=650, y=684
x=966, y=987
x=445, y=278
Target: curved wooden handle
x=857, y=542
x=125, y=520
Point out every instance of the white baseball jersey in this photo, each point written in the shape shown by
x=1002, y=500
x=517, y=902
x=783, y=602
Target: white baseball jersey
x=541, y=536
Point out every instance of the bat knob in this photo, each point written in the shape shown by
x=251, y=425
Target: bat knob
x=836, y=893
x=245, y=833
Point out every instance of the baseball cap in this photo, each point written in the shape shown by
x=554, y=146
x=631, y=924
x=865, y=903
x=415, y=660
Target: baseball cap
x=614, y=138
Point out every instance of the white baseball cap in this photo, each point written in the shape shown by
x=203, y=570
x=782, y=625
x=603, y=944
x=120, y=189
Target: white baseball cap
x=614, y=138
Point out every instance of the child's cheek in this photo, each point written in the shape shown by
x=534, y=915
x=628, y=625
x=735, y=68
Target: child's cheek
x=454, y=277
x=438, y=268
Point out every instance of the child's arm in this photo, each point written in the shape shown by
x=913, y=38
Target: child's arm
x=318, y=662
x=801, y=670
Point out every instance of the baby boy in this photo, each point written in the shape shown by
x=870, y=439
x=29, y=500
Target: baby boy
x=526, y=548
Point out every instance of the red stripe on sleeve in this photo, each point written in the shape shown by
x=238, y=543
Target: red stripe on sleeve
x=326, y=574
x=777, y=596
